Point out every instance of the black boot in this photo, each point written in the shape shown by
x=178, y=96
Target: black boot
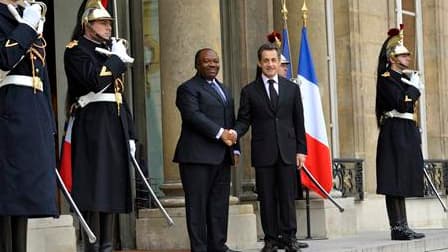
x=394, y=212
x=19, y=228
x=5, y=234
x=93, y=220
x=107, y=232
x=399, y=232
x=405, y=221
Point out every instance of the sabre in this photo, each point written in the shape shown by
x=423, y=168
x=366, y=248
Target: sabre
x=308, y=173
x=159, y=205
x=85, y=226
x=434, y=189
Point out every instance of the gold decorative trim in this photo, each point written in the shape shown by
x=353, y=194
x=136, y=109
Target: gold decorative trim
x=104, y=72
x=72, y=44
x=10, y=44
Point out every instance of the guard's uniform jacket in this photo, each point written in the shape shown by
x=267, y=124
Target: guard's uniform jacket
x=399, y=158
x=101, y=131
x=27, y=127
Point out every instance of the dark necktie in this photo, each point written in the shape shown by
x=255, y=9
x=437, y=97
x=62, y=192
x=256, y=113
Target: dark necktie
x=273, y=94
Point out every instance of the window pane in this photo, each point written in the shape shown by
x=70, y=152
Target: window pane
x=153, y=90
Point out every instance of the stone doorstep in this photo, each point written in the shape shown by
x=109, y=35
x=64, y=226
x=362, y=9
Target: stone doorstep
x=179, y=201
x=42, y=223
x=180, y=211
x=436, y=241
x=154, y=233
x=51, y=234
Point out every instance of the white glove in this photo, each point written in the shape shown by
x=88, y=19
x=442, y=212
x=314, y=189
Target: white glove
x=32, y=15
x=119, y=49
x=40, y=26
x=415, y=81
x=132, y=147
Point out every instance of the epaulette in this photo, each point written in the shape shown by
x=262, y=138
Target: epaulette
x=72, y=44
x=386, y=74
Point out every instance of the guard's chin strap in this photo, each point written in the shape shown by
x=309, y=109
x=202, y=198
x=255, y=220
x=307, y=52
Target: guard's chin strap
x=96, y=36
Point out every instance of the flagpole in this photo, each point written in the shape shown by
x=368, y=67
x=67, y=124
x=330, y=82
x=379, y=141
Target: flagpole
x=114, y=2
x=304, y=14
x=284, y=12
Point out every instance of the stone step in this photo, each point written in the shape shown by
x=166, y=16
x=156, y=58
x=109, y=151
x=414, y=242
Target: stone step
x=435, y=241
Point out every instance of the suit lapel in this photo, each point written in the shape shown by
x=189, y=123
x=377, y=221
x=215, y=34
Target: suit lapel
x=207, y=86
x=262, y=92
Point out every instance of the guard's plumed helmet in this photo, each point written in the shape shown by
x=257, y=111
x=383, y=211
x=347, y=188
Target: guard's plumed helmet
x=395, y=45
x=276, y=39
x=392, y=47
x=94, y=10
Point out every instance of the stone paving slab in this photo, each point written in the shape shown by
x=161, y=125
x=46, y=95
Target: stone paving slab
x=436, y=241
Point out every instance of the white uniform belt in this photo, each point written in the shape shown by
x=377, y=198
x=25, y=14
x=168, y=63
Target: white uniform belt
x=394, y=113
x=23, y=80
x=101, y=97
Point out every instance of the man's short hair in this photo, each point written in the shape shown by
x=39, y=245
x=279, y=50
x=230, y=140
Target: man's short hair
x=196, y=56
x=267, y=47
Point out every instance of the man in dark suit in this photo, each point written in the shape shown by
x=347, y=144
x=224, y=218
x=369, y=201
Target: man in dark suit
x=203, y=153
x=273, y=106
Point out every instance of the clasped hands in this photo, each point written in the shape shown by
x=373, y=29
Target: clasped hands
x=229, y=137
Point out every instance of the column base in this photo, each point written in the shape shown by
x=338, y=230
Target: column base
x=153, y=233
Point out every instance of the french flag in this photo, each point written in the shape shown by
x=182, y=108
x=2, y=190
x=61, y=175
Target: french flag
x=104, y=3
x=65, y=169
x=286, y=52
x=318, y=160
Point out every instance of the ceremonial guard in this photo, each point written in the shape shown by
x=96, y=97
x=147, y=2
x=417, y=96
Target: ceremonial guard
x=102, y=133
x=27, y=128
x=399, y=160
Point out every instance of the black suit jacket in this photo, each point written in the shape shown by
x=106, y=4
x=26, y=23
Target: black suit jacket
x=274, y=132
x=203, y=113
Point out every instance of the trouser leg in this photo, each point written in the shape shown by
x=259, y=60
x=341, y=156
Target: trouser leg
x=265, y=178
x=19, y=228
x=5, y=234
x=93, y=220
x=106, y=232
x=196, y=184
x=218, y=208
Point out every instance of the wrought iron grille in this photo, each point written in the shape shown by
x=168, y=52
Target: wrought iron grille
x=438, y=172
x=348, y=177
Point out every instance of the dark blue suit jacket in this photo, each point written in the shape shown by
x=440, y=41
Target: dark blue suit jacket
x=203, y=113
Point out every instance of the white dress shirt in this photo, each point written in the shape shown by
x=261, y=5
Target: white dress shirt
x=266, y=83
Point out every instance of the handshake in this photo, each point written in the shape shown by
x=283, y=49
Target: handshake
x=229, y=137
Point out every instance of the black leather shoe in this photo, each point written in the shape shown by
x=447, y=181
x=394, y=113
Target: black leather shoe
x=269, y=246
x=400, y=233
x=291, y=244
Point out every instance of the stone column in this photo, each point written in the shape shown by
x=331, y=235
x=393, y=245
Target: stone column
x=435, y=38
x=185, y=27
x=360, y=29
